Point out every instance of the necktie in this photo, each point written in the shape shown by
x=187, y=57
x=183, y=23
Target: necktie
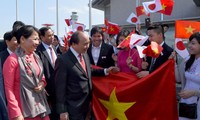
x=153, y=60
x=82, y=62
x=53, y=58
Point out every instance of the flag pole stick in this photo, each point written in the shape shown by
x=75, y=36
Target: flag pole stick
x=161, y=17
x=33, y=12
x=90, y=15
x=57, y=20
x=16, y=10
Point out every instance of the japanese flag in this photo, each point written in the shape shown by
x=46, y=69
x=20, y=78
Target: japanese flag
x=133, y=19
x=180, y=48
x=140, y=50
x=137, y=40
x=78, y=27
x=152, y=6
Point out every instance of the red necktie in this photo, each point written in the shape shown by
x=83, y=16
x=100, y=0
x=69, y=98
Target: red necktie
x=52, y=55
x=82, y=62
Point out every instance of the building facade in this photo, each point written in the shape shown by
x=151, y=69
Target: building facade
x=117, y=11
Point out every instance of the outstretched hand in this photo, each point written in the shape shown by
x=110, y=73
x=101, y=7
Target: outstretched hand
x=173, y=55
x=112, y=69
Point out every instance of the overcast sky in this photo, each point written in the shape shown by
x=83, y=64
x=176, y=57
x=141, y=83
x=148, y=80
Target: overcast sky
x=46, y=13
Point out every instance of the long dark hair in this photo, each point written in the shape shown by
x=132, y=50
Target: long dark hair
x=192, y=57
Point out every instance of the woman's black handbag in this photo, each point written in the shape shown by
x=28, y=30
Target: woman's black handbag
x=188, y=110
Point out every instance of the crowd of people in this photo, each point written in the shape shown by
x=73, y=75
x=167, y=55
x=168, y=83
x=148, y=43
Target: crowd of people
x=43, y=79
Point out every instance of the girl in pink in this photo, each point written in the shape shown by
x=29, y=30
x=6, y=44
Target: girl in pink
x=128, y=59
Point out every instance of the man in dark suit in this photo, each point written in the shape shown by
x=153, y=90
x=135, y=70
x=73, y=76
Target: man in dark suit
x=11, y=43
x=73, y=79
x=100, y=53
x=47, y=54
x=156, y=34
x=3, y=108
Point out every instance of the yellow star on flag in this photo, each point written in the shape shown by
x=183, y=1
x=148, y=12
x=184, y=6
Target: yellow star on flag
x=111, y=28
x=143, y=10
x=127, y=38
x=163, y=7
x=115, y=108
x=189, y=30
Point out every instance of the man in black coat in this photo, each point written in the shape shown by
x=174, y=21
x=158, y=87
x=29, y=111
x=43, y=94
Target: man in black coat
x=156, y=34
x=100, y=53
x=73, y=79
x=47, y=54
x=11, y=43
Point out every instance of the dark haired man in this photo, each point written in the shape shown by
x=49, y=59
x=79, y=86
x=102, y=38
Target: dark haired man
x=48, y=55
x=100, y=53
x=11, y=43
x=73, y=79
x=156, y=34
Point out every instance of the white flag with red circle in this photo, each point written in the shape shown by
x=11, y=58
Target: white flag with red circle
x=78, y=27
x=180, y=48
x=133, y=19
x=152, y=6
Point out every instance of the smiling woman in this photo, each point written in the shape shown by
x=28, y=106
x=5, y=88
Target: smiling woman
x=25, y=89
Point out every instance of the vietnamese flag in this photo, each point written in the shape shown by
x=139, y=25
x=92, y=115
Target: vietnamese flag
x=140, y=11
x=125, y=43
x=112, y=28
x=167, y=6
x=153, y=50
x=123, y=96
x=184, y=29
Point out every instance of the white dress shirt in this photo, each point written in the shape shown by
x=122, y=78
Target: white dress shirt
x=95, y=53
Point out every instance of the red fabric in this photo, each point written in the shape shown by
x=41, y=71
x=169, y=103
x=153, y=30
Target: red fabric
x=153, y=50
x=140, y=11
x=184, y=29
x=167, y=6
x=155, y=95
x=112, y=28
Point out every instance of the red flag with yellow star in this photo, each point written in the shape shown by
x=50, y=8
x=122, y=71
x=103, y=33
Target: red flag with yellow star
x=184, y=29
x=123, y=96
x=112, y=28
x=140, y=11
x=153, y=50
x=167, y=6
x=125, y=43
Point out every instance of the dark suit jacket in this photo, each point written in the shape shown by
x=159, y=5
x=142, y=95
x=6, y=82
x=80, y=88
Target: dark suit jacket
x=105, y=56
x=3, y=108
x=161, y=59
x=3, y=45
x=3, y=56
x=48, y=71
x=73, y=85
x=58, y=50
